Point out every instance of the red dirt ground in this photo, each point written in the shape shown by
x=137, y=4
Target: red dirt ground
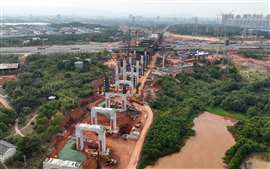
x=124, y=148
x=171, y=37
x=4, y=79
x=260, y=65
x=120, y=148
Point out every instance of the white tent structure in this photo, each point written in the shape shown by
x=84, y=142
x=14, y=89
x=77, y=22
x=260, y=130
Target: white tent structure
x=52, y=163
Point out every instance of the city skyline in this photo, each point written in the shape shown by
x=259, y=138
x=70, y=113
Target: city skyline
x=121, y=8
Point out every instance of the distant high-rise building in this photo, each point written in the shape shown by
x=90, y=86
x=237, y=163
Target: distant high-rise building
x=254, y=21
x=58, y=17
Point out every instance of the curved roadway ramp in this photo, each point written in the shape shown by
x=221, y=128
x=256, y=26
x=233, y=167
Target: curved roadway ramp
x=135, y=156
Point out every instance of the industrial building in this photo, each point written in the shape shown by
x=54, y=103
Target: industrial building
x=52, y=163
x=7, y=150
x=8, y=68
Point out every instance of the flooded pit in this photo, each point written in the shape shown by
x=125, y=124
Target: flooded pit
x=206, y=149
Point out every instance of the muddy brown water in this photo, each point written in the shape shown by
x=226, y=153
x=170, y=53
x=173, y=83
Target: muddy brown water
x=206, y=149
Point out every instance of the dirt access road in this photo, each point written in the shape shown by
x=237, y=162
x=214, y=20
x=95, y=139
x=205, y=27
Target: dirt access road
x=144, y=78
x=175, y=37
x=135, y=157
x=4, y=102
x=19, y=131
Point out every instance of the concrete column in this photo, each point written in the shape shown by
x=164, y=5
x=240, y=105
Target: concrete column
x=137, y=72
x=77, y=143
x=102, y=142
x=100, y=146
x=142, y=64
x=96, y=119
x=145, y=59
x=163, y=61
x=108, y=101
x=81, y=141
x=113, y=121
x=132, y=71
x=124, y=69
x=134, y=80
x=92, y=119
x=77, y=136
x=130, y=61
x=116, y=72
x=124, y=102
x=137, y=68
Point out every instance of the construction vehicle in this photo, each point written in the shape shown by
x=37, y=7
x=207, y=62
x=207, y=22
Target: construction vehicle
x=110, y=161
x=136, y=100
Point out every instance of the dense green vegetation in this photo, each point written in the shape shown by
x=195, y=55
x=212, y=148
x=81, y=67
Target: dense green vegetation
x=252, y=135
x=41, y=77
x=226, y=113
x=105, y=34
x=248, y=99
x=9, y=58
x=208, y=88
x=254, y=53
x=180, y=100
x=7, y=119
x=54, y=75
x=77, y=24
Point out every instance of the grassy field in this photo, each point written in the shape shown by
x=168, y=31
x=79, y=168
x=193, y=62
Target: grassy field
x=222, y=112
x=252, y=75
x=68, y=153
x=254, y=53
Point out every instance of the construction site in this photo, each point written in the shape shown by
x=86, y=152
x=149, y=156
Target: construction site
x=109, y=127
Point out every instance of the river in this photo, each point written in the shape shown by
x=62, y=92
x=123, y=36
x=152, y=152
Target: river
x=206, y=149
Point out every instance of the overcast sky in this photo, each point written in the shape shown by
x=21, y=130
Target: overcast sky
x=168, y=8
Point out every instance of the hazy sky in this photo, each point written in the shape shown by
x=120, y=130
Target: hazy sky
x=175, y=8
